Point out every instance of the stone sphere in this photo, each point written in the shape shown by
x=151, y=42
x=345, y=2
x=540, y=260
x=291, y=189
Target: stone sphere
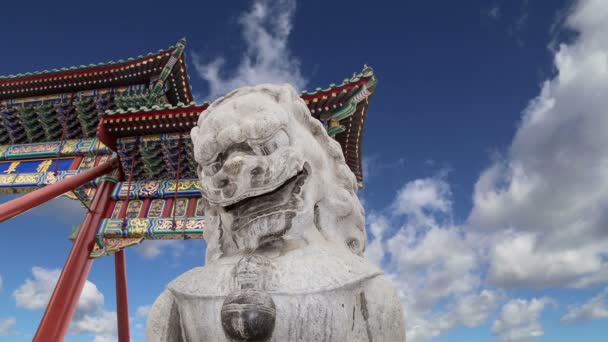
x=248, y=315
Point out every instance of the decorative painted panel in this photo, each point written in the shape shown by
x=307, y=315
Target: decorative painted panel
x=151, y=228
x=199, y=210
x=23, y=182
x=157, y=189
x=159, y=208
x=116, y=210
x=134, y=208
x=180, y=207
x=116, y=234
x=156, y=208
x=50, y=149
x=87, y=163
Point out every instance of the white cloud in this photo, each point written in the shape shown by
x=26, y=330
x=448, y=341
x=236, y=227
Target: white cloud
x=35, y=293
x=431, y=260
x=143, y=310
x=90, y=316
x=150, y=249
x=267, y=59
x=420, y=197
x=594, y=308
x=377, y=225
x=470, y=311
x=519, y=320
x=102, y=324
x=473, y=310
x=6, y=326
x=546, y=202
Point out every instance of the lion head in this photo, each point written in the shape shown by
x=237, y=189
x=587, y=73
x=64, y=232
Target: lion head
x=271, y=177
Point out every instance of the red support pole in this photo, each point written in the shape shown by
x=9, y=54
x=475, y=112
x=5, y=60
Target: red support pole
x=122, y=303
x=61, y=307
x=26, y=202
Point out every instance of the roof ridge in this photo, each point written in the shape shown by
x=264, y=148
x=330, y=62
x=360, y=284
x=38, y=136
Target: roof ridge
x=366, y=72
x=92, y=65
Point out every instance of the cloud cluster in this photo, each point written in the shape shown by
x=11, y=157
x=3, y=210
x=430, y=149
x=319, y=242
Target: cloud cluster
x=431, y=260
x=267, y=58
x=539, y=214
x=90, y=316
x=546, y=202
x=519, y=320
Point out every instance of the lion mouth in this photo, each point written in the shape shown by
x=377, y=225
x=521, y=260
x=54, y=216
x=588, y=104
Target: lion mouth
x=268, y=216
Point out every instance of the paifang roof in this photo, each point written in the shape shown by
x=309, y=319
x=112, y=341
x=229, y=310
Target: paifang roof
x=342, y=108
x=138, y=70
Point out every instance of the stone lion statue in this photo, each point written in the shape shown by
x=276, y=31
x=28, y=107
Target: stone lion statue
x=285, y=234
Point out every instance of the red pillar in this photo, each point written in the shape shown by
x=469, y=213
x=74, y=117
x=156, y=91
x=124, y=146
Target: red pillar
x=122, y=304
x=61, y=307
x=28, y=201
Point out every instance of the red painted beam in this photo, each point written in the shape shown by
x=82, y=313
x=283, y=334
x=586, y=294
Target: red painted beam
x=61, y=307
x=122, y=302
x=33, y=199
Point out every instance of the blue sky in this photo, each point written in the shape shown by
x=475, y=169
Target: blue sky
x=484, y=151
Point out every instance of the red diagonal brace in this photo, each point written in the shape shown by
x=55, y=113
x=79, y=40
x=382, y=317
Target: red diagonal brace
x=61, y=307
x=33, y=199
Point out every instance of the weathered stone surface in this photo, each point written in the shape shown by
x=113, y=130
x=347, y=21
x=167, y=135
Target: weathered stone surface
x=285, y=234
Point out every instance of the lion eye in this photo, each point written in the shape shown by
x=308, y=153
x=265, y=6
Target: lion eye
x=278, y=140
x=215, y=167
x=212, y=169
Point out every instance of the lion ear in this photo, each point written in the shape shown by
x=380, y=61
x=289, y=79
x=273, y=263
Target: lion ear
x=194, y=135
x=287, y=93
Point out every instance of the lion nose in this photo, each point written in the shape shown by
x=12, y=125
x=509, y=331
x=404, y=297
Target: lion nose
x=223, y=182
x=220, y=181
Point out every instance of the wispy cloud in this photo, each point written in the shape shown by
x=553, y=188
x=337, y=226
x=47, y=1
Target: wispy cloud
x=150, y=249
x=373, y=166
x=494, y=12
x=518, y=26
x=7, y=325
x=266, y=27
x=594, y=308
x=143, y=310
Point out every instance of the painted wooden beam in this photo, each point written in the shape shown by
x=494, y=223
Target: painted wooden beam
x=33, y=199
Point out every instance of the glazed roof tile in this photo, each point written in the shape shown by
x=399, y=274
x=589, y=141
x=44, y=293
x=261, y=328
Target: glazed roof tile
x=133, y=71
x=81, y=67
